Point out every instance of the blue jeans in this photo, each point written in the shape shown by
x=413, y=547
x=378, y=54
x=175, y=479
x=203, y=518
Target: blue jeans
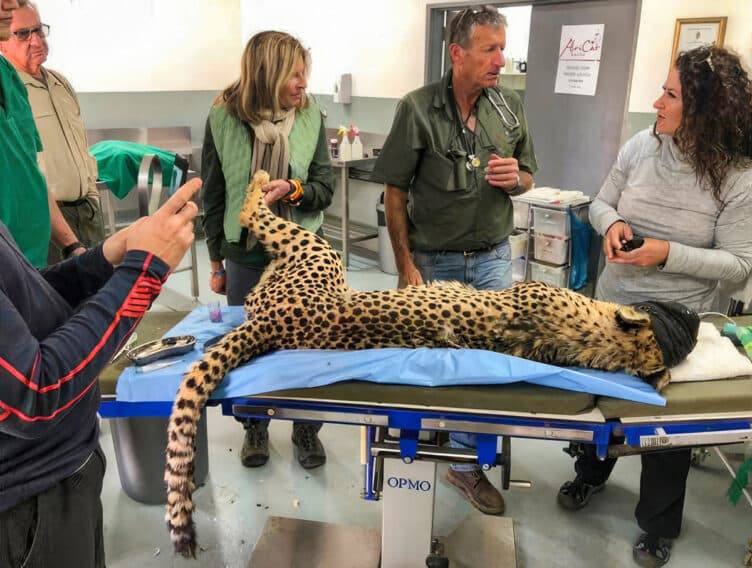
x=487, y=270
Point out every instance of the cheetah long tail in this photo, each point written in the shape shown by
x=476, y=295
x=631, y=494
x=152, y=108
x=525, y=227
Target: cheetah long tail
x=198, y=383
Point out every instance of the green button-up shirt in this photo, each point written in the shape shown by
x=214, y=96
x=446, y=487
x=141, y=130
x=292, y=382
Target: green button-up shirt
x=23, y=192
x=451, y=207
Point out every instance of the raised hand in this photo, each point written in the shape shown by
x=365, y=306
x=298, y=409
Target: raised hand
x=167, y=233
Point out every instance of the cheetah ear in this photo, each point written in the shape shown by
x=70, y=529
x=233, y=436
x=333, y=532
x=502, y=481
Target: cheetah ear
x=629, y=317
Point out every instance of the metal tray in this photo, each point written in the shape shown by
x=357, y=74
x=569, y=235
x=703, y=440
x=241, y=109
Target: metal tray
x=161, y=349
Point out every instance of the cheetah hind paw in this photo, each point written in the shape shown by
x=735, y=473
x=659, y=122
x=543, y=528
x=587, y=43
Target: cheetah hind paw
x=254, y=197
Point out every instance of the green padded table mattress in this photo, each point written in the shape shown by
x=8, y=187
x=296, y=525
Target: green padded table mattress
x=519, y=397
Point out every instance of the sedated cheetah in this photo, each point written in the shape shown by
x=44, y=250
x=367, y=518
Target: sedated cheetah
x=302, y=302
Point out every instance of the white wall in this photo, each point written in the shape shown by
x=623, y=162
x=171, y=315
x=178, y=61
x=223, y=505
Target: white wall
x=144, y=45
x=380, y=42
x=656, y=37
x=173, y=45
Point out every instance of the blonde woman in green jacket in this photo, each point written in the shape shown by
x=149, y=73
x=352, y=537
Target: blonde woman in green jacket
x=264, y=120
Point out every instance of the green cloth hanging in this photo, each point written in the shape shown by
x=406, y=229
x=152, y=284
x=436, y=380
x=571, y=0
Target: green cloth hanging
x=118, y=162
x=740, y=482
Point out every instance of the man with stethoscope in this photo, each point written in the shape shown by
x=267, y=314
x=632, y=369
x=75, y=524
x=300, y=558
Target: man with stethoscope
x=458, y=149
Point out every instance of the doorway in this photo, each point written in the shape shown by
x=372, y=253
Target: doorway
x=518, y=17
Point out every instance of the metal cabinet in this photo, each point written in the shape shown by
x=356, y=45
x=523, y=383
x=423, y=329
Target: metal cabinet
x=542, y=242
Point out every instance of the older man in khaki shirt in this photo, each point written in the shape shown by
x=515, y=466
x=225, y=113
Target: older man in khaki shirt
x=70, y=170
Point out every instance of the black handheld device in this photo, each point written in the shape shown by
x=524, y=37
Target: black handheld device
x=632, y=244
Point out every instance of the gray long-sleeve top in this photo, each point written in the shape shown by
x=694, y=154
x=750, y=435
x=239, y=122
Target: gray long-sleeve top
x=655, y=191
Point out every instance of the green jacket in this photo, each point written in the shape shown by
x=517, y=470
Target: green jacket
x=450, y=207
x=24, y=208
x=226, y=161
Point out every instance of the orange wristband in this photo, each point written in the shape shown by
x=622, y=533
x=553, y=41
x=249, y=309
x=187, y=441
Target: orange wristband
x=294, y=197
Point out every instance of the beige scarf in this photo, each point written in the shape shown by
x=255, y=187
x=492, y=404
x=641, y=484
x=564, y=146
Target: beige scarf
x=271, y=152
x=271, y=147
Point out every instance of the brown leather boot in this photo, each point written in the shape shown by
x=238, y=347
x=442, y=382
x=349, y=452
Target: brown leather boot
x=478, y=490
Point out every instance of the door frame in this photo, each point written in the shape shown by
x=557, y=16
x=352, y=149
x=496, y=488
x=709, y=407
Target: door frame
x=436, y=21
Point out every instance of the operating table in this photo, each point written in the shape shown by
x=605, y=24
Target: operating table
x=402, y=428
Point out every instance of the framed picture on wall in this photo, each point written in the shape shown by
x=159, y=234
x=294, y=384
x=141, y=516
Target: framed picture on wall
x=694, y=32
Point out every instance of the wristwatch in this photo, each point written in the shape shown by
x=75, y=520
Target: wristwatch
x=68, y=250
x=519, y=189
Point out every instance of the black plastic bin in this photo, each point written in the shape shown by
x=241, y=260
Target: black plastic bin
x=140, y=456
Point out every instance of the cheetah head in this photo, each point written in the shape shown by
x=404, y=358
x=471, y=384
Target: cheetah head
x=665, y=333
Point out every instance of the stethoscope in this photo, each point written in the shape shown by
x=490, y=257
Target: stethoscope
x=510, y=122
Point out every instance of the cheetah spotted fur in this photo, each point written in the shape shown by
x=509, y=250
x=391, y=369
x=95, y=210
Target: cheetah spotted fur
x=302, y=302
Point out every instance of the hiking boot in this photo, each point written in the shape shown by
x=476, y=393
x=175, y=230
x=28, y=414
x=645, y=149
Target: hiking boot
x=574, y=495
x=651, y=551
x=255, y=450
x=478, y=490
x=308, y=449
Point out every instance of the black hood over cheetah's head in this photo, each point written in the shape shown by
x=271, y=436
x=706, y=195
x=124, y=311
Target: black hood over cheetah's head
x=675, y=327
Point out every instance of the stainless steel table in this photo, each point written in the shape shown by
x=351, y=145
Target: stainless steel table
x=344, y=167
x=148, y=202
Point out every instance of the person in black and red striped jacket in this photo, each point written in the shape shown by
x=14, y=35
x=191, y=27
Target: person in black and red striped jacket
x=59, y=327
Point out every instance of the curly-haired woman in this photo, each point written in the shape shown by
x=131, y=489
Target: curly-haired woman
x=686, y=189
x=264, y=120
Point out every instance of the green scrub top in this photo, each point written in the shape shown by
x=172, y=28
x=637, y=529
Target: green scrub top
x=23, y=191
x=451, y=208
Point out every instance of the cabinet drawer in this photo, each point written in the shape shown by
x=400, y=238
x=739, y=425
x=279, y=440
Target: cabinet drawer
x=520, y=214
x=518, y=243
x=550, y=248
x=550, y=222
x=554, y=275
x=518, y=269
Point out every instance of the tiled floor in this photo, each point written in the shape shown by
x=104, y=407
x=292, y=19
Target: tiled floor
x=235, y=502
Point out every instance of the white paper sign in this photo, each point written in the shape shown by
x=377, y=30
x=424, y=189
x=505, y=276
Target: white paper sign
x=579, y=59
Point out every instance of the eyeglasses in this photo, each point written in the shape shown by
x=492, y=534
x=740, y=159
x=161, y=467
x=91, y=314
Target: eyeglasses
x=471, y=16
x=42, y=30
x=702, y=55
x=472, y=12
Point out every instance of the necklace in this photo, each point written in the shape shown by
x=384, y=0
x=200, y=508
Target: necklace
x=467, y=118
x=468, y=140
